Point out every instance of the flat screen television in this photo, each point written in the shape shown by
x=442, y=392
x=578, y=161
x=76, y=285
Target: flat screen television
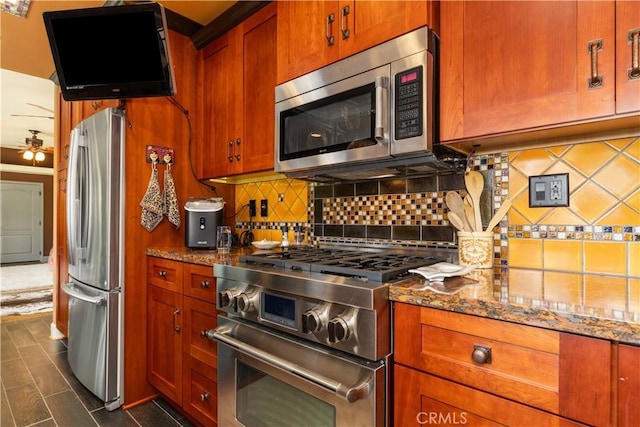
x=114, y=52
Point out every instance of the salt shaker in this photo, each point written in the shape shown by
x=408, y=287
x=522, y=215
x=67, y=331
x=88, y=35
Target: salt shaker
x=285, y=237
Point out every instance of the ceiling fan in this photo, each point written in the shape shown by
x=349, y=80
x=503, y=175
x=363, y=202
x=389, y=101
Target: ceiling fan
x=34, y=149
x=36, y=115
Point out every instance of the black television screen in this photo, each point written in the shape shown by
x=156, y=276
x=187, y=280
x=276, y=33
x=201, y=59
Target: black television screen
x=114, y=52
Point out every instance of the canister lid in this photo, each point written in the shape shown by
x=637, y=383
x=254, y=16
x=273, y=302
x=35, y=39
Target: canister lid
x=211, y=204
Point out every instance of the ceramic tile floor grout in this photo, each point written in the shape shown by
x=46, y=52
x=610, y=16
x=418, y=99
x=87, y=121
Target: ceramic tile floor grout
x=25, y=403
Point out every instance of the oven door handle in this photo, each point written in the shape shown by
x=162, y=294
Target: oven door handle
x=350, y=394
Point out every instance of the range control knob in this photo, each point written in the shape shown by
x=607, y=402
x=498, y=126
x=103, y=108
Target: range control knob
x=311, y=321
x=246, y=302
x=339, y=330
x=227, y=298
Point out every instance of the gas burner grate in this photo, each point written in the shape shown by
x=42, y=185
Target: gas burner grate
x=373, y=266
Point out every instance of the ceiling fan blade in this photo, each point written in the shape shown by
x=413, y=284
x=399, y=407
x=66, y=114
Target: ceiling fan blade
x=40, y=107
x=31, y=115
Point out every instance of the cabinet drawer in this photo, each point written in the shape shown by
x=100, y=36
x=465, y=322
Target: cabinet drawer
x=165, y=273
x=199, y=316
x=200, y=391
x=523, y=364
x=423, y=399
x=200, y=283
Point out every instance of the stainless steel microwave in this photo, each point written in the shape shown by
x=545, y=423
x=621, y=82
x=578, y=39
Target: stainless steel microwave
x=366, y=116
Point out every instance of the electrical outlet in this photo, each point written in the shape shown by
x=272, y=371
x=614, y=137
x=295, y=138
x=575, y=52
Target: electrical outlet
x=549, y=190
x=264, y=207
x=252, y=207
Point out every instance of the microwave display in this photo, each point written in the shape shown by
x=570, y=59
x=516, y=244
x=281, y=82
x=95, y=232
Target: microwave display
x=408, y=103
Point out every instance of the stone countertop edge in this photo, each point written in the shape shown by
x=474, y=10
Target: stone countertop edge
x=476, y=299
x=596, y=327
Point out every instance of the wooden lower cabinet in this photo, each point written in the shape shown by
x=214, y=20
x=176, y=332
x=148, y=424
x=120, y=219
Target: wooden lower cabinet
x=496, y=372
x=628, y=385
x=182, y=362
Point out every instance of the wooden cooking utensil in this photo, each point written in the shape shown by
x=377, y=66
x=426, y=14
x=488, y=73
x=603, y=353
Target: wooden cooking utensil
x=474, y=182
x=502, y=211
x=468, y=211
x=456, y=221
x=456, y=205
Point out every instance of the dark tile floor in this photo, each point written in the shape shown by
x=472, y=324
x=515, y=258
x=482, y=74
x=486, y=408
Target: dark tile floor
x=39, y=389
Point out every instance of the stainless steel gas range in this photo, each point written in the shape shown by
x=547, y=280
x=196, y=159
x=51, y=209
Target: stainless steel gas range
x=307, y=336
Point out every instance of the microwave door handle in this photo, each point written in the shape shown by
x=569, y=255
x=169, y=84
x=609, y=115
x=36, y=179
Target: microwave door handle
x=350, y=394
x=381, y=106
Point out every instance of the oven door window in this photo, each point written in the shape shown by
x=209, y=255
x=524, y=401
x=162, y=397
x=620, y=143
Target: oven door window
x=262, y=400
x=336, y=123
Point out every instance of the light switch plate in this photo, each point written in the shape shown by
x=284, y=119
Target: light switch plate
x=549, y=190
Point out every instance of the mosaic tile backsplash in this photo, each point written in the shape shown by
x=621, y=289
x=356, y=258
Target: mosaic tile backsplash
x=595, y=240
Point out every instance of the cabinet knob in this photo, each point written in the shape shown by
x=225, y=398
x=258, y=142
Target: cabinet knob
x=205, y=284
x=163, y=274
x=207, y=333
x=229, y=151
x=481, y=354
x=204, y=396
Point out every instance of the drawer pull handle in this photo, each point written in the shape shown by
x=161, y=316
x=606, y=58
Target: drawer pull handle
x=634, y=39
x=162, y=274
x=344, y=28
x=175, y=326
x=328, y=33
x=205, y=284
x=204, y=396
x=595, y=80
x=481, y=354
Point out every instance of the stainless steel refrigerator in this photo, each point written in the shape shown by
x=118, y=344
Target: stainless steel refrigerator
x=95, y=230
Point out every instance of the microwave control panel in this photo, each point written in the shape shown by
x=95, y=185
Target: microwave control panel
x=408, y=103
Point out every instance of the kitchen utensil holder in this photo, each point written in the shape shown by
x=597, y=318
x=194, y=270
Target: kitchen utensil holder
x=475, y=248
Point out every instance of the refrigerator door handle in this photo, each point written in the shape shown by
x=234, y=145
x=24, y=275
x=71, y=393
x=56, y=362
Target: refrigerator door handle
x=82, y=297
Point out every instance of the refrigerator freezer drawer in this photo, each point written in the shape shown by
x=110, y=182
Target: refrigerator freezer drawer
x=94, y=340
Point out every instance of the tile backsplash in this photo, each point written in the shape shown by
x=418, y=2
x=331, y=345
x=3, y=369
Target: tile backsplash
x=597, y=234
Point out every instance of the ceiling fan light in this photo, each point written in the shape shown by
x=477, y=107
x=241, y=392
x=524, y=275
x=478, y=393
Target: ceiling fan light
x=28, y=155
x=39, y=156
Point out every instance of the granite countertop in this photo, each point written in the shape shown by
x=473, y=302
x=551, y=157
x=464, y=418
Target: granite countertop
x=484, y=293
x=487, y=294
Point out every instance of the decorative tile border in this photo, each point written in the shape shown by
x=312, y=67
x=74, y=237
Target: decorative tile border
x=616, y=233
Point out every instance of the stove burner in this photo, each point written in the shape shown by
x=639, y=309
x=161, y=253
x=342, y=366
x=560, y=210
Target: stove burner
x=374, y=266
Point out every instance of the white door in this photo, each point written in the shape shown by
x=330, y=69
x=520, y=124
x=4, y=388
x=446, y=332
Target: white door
x=21, y=206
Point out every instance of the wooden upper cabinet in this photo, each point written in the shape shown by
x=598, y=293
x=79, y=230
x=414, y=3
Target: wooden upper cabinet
x=627, y=72
x=511, y=66
x=238, y=79
x=312, y=34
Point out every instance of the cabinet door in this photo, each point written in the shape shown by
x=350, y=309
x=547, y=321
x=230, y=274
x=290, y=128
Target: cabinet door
x=164, y=342
x=304, y=29
x=62, y=132
x=222, y=90
x=200, y=391
x=199, y=317
x=370, y=23
x=628, y=386
x=199, y=282
x=259, y=74
x=627, y=86
x=503, y=70
x=165, y=273
x=423, y=399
